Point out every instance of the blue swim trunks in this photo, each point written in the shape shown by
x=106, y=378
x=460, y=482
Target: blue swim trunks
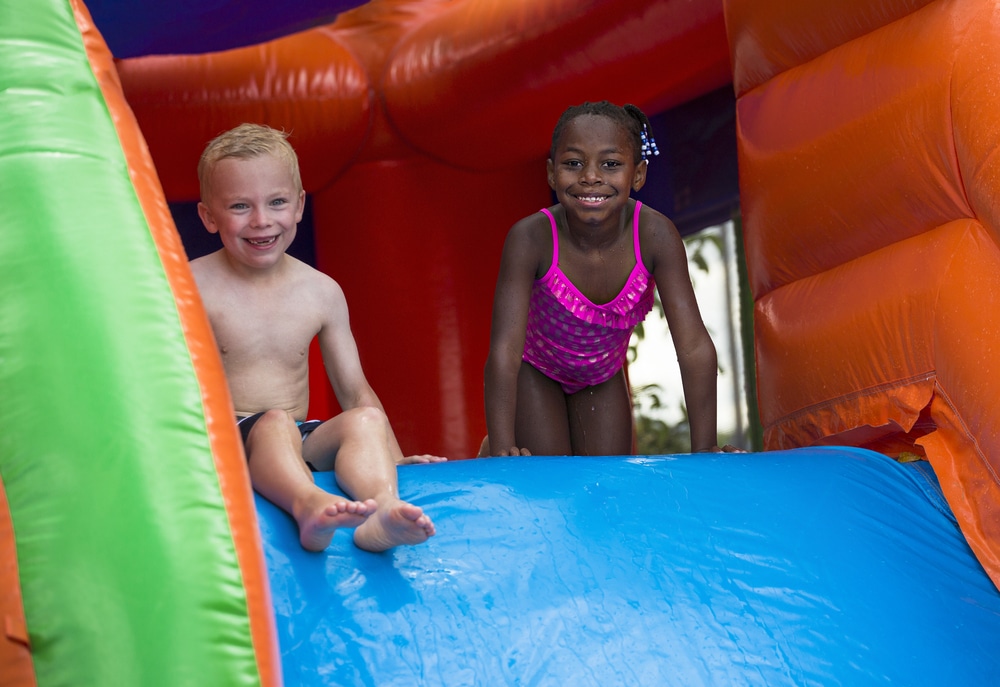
x=245, y=424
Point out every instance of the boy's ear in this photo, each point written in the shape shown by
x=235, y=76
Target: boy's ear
x=302, y=206
x=206, y=218
x=550, y=173
x=639, y=180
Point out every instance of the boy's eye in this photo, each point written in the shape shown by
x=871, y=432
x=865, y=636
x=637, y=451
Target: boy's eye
x=239, y=206
x=279, y=201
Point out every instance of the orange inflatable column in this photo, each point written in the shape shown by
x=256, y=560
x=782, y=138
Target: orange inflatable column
x=867, y=138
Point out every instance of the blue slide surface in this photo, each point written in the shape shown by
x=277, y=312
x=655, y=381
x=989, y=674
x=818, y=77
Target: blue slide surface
x=821, y=566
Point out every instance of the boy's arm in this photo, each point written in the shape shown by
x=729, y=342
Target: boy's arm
x=340, y=352
x=696, y=355
x=518, y=267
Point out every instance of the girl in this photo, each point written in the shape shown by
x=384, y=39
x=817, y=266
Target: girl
x=574, y=281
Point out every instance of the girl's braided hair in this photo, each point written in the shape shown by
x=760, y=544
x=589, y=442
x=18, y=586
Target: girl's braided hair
x=629, y=117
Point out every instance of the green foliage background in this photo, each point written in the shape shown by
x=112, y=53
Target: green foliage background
x=656, y=437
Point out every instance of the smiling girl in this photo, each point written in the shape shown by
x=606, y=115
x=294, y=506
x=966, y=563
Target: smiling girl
x=575, y=279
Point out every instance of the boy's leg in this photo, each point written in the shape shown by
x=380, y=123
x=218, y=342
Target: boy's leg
x=541, y=424
x=600, y=418
x=360, y=439
x=278, y=473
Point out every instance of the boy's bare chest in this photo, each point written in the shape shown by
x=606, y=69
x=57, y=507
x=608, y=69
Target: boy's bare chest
x=263, y=331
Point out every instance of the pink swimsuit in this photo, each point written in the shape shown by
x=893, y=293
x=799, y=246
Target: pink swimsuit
x=574, y=341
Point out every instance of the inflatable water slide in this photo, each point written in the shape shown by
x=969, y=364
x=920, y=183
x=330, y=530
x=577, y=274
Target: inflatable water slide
x=861, y=546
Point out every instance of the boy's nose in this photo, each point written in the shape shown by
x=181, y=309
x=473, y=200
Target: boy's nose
x=259, y=218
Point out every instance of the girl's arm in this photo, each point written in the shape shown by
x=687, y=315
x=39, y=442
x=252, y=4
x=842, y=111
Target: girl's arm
x=664, y=251
x=519, y=266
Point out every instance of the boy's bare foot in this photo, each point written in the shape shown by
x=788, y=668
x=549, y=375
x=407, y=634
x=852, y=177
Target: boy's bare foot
x=317, y=524
x=394, y=523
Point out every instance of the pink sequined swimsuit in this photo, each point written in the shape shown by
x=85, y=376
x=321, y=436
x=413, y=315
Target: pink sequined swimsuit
x=574, y=341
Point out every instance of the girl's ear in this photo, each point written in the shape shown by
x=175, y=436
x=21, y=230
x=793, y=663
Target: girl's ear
x=639, y=180
x=550, y=171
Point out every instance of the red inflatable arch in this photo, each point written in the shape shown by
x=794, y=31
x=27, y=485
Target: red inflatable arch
x=422, y=129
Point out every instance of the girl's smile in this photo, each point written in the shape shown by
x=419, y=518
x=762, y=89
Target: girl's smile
x=593, y=171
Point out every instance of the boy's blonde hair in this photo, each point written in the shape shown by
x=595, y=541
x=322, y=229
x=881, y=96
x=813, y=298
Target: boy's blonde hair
x=245, y=142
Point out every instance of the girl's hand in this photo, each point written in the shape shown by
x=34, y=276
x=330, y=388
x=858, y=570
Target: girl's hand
x=485, y=452
x=514, y=451
x=728, y=448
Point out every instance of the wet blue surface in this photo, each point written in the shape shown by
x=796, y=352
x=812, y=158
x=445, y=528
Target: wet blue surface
x=806, y=567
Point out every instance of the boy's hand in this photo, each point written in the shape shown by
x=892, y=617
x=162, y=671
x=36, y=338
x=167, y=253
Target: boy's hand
x=423, y=458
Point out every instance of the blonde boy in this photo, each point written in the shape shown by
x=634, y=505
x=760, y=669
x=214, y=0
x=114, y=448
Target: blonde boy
x=265, y=308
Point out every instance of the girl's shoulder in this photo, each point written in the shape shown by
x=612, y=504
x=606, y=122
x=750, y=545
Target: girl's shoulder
x=535, y=229
x=659, y=240
x=655, y=226
x=650, y=218
x=537, y=220
x=529, y=243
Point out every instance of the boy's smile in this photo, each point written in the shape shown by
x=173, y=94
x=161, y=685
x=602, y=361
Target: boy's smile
x=262, y=243
x=254, y=207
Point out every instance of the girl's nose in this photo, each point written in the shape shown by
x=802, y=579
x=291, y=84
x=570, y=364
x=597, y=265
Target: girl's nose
x=591, y=173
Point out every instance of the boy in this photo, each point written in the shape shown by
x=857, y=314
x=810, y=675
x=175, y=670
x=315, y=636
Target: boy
x=265, y=307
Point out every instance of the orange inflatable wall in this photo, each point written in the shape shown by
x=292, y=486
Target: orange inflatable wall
x=423, y=129
x=866, y=135
x=869, y=181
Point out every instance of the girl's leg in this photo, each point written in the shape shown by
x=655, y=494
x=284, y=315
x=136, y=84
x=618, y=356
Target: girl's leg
x=357, y=445
x=600, y=419
x=542, y=424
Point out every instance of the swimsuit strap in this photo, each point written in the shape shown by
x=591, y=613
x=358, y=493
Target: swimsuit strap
x=635, y=236
x=555, y=241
